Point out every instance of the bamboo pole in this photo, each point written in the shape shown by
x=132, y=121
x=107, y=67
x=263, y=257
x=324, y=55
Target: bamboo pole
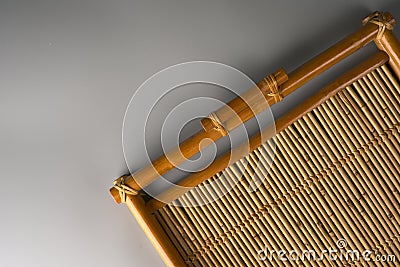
x=229, y=216
x=333, y=203
x=175, y=238
x=227, y=118
x=205, y=215
x=223, y=221
x=365, y=210
x=295, y=207
x=391, y=45
x=367, y=178
x=262, y=223
x=231, y=207
x=190, y=234
x=304, y=192
x=283, y=214
x=346, y=178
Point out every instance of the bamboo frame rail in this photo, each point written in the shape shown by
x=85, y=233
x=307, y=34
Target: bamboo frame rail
x=153, y=231
x=206, y=226
x=391, y=45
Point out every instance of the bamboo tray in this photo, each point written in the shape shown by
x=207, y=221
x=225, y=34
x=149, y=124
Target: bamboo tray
x=335, y=173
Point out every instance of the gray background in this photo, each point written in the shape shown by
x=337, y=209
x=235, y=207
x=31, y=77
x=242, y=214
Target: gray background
x=67, y=72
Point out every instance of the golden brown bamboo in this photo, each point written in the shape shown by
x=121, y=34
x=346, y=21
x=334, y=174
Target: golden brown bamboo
x=304, y=192
x=393, y=80
x=333, y=55
x=228, y=209
x=384, y=90
x=391, y=45
x=391, y=121
x=337, y=106
x=361, y=133
x=163, y=164
x=208, y=218
x=364, y=209
x=230, y=118
x=297, y=78
x=246, y=106
x=283, y=214
x=220, y=221
x=153, y=231
x=201, y=217
x=198, y=220
x=194, y=179
x=363, y=171
x=315, y=144
x=188, y=231
x=278, y=174
x=370, y=117
x=265, y=221
x=270, y=221
x=381, y=117
x=328, y=231
x=228, y=216
x=364, y=176
x=175, y=238
x=383, y=164
x=346, y=178
x=295, y=207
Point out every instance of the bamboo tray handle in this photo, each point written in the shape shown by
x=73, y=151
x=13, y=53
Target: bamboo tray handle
x=215, y=126
x=245, y=107
x=376, y=27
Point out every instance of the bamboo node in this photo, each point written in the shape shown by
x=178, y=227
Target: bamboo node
x=289, y=195
x=123, y=189
x=379, y=19
x=273, y=86
x=322, y=192
x=338, y=164
x=350, y=203
x=217, y=124
x=280, y=201
x=308, y=180
x=188, y=261
x=384, y=136
x=390, y=132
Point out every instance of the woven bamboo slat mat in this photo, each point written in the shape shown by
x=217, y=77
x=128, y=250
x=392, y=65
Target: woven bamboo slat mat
x=335, y=176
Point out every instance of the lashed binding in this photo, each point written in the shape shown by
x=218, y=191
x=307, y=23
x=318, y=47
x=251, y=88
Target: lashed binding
x=381, y=20
x=123, y=189
x=241, y=109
